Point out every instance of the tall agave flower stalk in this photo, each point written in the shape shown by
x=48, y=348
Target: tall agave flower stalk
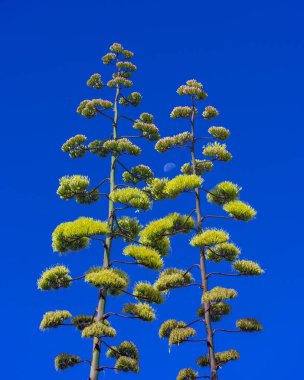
x=213, y=244
x=78, y=234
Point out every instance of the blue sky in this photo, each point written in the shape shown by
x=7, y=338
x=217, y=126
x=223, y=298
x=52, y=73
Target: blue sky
x=249, y=55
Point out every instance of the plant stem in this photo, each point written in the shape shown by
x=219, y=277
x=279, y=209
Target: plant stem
x=95, y=369
x=209, y=340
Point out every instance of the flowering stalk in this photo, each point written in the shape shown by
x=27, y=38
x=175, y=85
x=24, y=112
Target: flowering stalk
x=77, y=235
x=212, y=243
x=94, y=372
x=207, y=321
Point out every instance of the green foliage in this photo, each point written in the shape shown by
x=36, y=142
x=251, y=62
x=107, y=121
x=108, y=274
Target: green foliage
x=240, y=210
x=210, y=113
x=126, y=364
x=218, y=294
x=125, y=348
x=134, y=99
x=55, y=278
x=131, y=196
x=184, y=112
x=201, y=167
x=247, y=267
x=144, y=291
x=166, y=143
x=220, y=358
x=113, y=279
x=172, y=278
x=182, y=183
x=219, y=133
x=81, y=321
x=223, y=192
x=168, y=326
x=128, y=228
x=223, y=251
x=187, y=374
x=121, y=146
x=156, y=188
x=217, y=310
x=73, y=236
x=249, y=325
x=90, y=108
x=146, y=126
x=192, y=88
x=217, y=151
x=180, y=335
x=95, y=81
x=64, y=361
x=209, y=237
x=145, y=256
x=75, y=147
x=98, y=330
x=53, y=319
x=142, y=311
x=138, y=173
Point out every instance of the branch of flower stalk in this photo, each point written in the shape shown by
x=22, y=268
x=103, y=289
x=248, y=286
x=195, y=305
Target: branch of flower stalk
x=216, y=217
x=104, y=114
x=190, y=268
x=195, y=321
x=133, y=295
x=210, y=192
x=124, y=167
x=127, y=118
x=105, y=367
x=126, y=99
x=132, y=137
x=85, y=361
x=107, y=315
x=215, y=253
x=192, y=284
x=133, y=187
x=122, y=208
x=100, y=183
x=110, y=347
x=77, y=278
x=225, y=274
x=228, y=331
x=124, y=262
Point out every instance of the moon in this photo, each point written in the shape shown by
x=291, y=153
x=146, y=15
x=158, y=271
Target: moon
x=169, y=166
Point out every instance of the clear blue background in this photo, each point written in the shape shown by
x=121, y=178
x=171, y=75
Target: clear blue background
x=249, y=55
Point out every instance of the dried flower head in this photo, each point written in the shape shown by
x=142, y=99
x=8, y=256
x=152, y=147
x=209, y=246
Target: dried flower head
x=240, y=210
x=219, y=294
x=209, y=237
x=53, y=319
x=148, y=257
x=55, y=278
x=172, y=278
x=247, y=268
x=249, y=325
x=142, y=311
x=64, y=361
